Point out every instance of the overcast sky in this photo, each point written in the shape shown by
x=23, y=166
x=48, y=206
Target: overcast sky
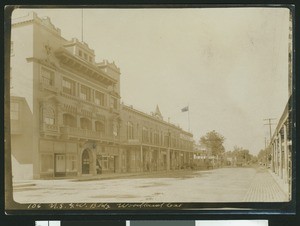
x=230, y=65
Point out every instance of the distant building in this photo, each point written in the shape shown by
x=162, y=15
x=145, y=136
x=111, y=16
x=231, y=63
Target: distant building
x=66, y=116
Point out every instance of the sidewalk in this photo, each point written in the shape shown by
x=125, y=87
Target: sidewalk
x=284, y=186
x=264, y=188
x=29, y=184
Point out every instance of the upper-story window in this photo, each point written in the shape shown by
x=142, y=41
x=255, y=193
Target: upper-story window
x=69, y=120
x=68, y=86
x=85, y=93
x=80, y=53
x=166, y=140
x=113, y=103
x=48, y=116
x=129, y=130
x=156, y=138
x=99, y=98
x=100, y=126
x=145, y=136
x=85, y=123
x=90, y=59
x=85, y=56
x=14, y=111
x=47, y=77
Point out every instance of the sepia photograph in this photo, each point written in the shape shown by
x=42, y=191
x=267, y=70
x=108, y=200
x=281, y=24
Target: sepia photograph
x=149, y=108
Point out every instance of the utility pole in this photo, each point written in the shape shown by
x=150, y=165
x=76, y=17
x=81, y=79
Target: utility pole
x=266, y=152
x=270, y=130
x=270, y=125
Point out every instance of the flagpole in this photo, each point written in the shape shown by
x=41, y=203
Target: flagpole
x=189, y=116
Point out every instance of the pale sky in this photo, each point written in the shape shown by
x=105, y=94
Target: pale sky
x=230, y=65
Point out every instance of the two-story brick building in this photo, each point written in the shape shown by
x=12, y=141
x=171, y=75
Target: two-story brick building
x=153, y=144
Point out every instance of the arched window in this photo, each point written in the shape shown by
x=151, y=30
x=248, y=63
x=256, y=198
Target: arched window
x=69, y=120
x=99, y=127
x=85, y=123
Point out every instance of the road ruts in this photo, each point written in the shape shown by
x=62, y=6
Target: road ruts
x=264, y=188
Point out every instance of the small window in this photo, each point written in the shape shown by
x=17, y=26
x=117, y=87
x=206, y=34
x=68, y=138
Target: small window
x=85, y=93
x=99, y=98
x=129, y=130
x=90, y=59
x=49, y=116
x=145, y=134
x=68, y=86
x=85, y=123
x=80, y=53
x=85, y=56
x=114, y=103
x=47, y=77
x=69, y=120
x=99, y=127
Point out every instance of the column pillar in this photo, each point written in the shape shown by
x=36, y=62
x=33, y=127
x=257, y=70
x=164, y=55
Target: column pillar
x=142, y=159
x=280, y=154
x=168, y=159
x=285, y=148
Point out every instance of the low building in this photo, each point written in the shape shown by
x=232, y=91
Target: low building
x=153, y=144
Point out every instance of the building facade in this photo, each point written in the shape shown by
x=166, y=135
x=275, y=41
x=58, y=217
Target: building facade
x=152, y=144
x=66, y=115
x=281, y=141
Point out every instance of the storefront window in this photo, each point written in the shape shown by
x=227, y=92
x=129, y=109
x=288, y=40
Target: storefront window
x=105, y=163
x=71, y=163
x=47, y=163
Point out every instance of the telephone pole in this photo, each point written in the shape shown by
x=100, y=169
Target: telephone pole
x=270, y=125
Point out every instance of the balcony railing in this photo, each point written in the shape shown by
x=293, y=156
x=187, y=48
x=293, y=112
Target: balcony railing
x=49, y=87
x=48, y=128
x=84, y=133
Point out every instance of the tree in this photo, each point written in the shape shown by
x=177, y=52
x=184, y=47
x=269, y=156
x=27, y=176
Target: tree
x=264, y=156
x=242, y=155
x=213, y=142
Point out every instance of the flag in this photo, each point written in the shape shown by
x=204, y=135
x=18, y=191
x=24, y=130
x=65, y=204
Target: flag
x=185, y=109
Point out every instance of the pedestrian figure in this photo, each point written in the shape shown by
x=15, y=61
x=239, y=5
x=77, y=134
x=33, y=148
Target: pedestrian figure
x=98, y=167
